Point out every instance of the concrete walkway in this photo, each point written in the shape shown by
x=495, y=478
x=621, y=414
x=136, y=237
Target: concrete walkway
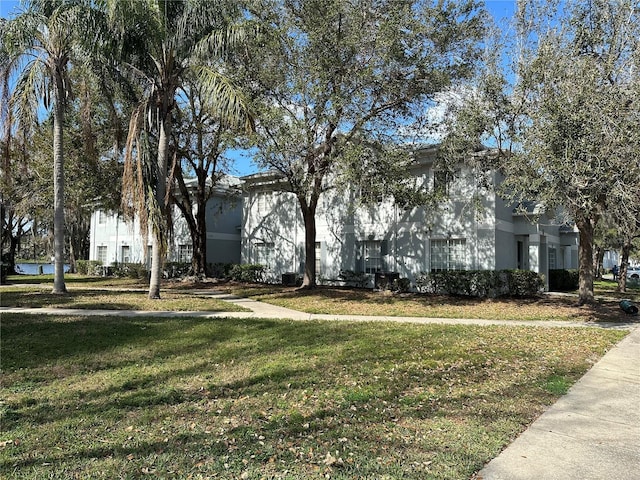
x=591, y=433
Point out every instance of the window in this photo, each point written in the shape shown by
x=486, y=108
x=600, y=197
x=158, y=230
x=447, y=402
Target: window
x=261, y=202
x=372, y=255
x=448, y=254
x=553, y=259
x=185, y=253
x=102, y=217
x=264, y=253
x=441, y=181
x=125, y=254
x=318, y=258
x=102, y=254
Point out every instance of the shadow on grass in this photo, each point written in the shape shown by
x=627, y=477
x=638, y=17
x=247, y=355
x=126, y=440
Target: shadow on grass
x=301, y=386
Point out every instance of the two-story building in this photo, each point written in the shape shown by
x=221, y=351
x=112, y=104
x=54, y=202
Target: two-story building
x=116, y=240
x=474, y=229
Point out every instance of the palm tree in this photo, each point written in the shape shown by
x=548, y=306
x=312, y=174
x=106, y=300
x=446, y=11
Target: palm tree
x=36, y=49
x=170, y=42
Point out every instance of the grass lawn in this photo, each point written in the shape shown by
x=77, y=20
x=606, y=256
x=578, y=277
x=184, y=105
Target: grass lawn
x=105, y=293
x=337, y=301
x=85, y=397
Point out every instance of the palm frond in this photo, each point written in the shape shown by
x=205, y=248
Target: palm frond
x=224, y=99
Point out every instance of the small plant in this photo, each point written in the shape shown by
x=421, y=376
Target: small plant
x=401, y=285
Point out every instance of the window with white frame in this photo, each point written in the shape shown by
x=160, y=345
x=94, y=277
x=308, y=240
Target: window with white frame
x=318, y=258
x=441, y=181
x=261, y=202
x=101, y=254
x=102, y=217
x=372, y=256
x=448, y=254
x=264, y=253
x=126, y=254
x=185, y=253
x=553, y=258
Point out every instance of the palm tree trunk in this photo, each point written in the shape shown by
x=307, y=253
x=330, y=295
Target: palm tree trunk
x=58, y=191
x=158, y=251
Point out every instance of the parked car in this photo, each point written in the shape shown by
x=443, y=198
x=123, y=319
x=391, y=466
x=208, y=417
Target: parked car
x=633, y=273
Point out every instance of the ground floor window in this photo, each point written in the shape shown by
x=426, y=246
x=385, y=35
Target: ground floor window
x=126, y=254
x=372, y=255
x=264, y=253
x=185, y=253
x=101, y=254
x=448, y=254
x=318, y=258
x=553, y=259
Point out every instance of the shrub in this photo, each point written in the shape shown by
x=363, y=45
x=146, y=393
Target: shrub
x=401, y=285
x=523, y=283
x=354, y=279
x=480, y=283
x=176, y=269
x=219, y=270
x=563, y=280
x=247, y=272
x=89, y=267
x=130, y=270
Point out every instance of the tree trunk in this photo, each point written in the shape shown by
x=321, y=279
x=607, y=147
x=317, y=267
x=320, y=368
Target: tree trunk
x=158, y=251
x=624, y=263
x=598, y=257
x=58, y=190
x=199, y=236
x=586, y=227
x=309, y=216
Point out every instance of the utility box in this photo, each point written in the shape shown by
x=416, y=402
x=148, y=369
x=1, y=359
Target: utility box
x=289, y=279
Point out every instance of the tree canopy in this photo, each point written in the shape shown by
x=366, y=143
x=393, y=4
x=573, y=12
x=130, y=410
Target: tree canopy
x=335, y=76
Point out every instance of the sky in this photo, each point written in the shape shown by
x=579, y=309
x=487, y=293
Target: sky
x=500, y=9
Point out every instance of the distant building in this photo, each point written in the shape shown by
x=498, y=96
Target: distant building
x=387, y=238
x=114, y=240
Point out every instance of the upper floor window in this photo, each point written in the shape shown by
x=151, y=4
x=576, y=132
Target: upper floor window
x=442, y=181
x=448, y=254
x=261, y=202
x=102, y=217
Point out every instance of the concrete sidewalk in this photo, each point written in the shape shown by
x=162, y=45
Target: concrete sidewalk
x=591, y=433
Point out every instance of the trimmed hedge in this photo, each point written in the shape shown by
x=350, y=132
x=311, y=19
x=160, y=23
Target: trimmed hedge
x=481, y=283
x=247, y=272
x=563, y=280
x=89, y=267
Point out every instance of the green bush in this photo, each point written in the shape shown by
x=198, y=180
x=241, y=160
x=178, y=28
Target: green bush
x=247, y=272
x=354, y=279
x=219, y=270
x=176, y=269
x=401, y=285
x=130, y=270
x=480, y=283
x=563, y=280
x=523, y=283
x=89, y=267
